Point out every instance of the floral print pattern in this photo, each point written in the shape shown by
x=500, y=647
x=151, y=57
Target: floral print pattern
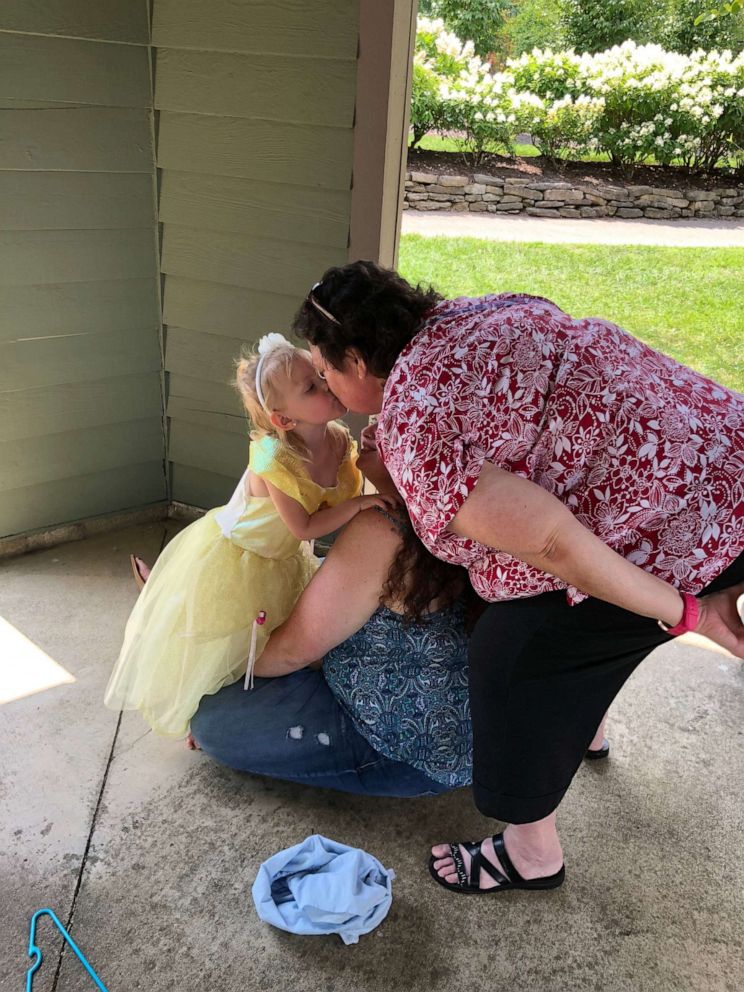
x=405, y=687
x=647, y=453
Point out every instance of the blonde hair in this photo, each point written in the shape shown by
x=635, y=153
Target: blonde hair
x=276, y=364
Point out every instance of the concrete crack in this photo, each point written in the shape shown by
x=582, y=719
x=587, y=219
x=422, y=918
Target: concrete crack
x=78, y=884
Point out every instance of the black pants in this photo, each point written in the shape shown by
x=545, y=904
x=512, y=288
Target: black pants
x=542, y=675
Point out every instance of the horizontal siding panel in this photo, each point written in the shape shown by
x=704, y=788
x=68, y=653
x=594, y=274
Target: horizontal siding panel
x=253, y=263
x=64, y=456
x=293, y=27
x=86, y=496
x=77, y=358
x=204, y=414
x=36, y=201
x=303, y=90
x=217, y=396
x=220, y=309
x=40, y=257
x=226, y=203
x=220, y=452
x=77, y=307
x=7, y=104
x=196, y=487
x=206, y=356
x=32, y=413
x=72, y=71
x=269, y=151
x=108, y=20
x=77, y=140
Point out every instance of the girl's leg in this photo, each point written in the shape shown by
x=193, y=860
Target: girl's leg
x=140, y=570
x=293, y=728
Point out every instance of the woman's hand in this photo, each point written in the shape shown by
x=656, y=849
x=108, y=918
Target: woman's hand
x=721, y=621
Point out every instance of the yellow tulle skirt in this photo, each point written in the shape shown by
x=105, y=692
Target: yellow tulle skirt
x=190, y=630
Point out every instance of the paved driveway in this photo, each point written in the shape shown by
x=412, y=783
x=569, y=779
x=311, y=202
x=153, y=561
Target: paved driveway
x=600, y=230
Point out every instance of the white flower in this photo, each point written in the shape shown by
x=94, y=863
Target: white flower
x=270, y=341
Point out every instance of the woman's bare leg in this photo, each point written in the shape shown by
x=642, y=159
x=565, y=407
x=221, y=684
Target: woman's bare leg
x=599, y=738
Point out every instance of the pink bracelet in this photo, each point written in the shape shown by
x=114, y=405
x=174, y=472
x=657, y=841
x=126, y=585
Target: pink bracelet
x=689, y=620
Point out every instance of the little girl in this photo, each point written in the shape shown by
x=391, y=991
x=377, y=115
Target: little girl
x=189, y=633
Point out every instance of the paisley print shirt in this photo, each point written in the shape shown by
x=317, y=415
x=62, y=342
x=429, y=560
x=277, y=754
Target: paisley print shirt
x=647, y=453
x=405, y=687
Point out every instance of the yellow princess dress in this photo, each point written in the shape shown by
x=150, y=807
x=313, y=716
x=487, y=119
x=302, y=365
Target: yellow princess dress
x=190, y=630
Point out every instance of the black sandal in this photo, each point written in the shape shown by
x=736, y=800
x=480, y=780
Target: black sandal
x=509, y=879
x=598, y=753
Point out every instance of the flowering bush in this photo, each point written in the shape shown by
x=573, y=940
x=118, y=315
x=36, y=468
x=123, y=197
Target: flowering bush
x=561, y=128
x=667, y=105
x=633, y=102
x=442, y=50
x=470, y=99
x=708, y=111
x=551, y=75
x=481, y=106
x=427, y=107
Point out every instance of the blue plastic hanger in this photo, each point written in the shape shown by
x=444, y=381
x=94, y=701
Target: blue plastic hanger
x=34, y=952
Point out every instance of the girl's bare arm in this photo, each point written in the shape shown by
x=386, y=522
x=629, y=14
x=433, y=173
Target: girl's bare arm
x=307, y=526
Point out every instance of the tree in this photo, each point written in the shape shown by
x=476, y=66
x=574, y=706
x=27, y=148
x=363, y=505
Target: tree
x=531, y=24
x=676, y=25
x=596, y=25
x=478, y=21
x=687, y=27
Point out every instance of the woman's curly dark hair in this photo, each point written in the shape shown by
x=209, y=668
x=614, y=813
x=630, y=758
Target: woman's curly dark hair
x=416, y=579
x=377, y=311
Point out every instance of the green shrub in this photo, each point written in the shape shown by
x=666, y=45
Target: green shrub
x=427, y=110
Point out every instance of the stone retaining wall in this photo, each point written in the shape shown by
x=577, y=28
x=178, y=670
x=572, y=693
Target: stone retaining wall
x=553, y=198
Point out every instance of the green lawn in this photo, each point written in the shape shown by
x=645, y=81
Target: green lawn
x=687, y=302
x=439, y=143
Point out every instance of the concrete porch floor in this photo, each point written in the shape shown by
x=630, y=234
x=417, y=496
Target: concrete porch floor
x=151, y=849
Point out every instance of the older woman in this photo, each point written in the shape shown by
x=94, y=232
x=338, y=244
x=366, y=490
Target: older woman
x=593, y=487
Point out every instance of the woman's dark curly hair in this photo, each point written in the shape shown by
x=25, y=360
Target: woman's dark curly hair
x=377, y=312
x=416, y=579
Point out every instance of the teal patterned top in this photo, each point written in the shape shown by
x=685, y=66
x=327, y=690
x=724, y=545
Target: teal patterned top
x=405, y=687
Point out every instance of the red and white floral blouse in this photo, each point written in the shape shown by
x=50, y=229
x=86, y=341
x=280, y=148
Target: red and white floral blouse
x=647, y=453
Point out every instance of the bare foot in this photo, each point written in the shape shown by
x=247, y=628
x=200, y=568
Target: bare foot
x=140, y=570
x=191, y=743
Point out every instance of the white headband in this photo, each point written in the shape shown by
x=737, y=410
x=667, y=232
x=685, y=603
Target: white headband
x=267, y=344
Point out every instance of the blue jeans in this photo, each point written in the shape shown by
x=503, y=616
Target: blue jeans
x=294, y=728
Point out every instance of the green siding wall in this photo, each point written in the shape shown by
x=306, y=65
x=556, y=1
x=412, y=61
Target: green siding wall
x=81, y=428
x=255, y=107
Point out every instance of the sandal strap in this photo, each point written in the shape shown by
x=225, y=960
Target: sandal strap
x=480, y=861
x=512, y=875
x=462, y=875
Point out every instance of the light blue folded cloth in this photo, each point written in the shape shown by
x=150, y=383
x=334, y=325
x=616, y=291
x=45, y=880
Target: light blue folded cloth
x=320, y=886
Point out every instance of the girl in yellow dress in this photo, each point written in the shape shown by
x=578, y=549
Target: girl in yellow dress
x=189, y=633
